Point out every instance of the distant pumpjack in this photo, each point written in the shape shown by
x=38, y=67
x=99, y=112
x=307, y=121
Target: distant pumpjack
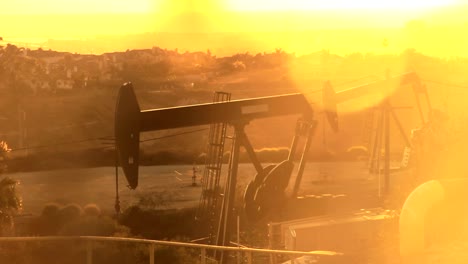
x=331, y=99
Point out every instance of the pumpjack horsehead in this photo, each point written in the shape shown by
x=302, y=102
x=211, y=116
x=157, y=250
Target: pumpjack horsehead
x=266, y=190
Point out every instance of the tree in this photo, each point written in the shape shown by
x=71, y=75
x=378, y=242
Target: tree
x=10, y=201
x=4, y=151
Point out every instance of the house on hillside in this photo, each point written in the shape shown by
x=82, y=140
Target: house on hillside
x=53, y=59
x=45, y=86
x=33, y=85
x=64, y=84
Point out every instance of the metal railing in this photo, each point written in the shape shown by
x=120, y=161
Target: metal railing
x=246, y=252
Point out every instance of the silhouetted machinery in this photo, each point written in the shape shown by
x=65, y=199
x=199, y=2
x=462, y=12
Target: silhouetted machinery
x=266, y=191
x=340, y=232
x=383, y=110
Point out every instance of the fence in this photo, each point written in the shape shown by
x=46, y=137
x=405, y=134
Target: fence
x=241, y=251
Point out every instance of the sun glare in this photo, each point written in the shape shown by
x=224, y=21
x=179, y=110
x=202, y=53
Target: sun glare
x=149, y=6
x=75, y=7
x=294, y=5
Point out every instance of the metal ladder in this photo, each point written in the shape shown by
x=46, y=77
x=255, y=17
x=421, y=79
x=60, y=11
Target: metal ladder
x=408, y=152
x=210, y=198
x=406, y=158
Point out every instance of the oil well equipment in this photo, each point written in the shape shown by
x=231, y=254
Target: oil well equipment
x=266, y=191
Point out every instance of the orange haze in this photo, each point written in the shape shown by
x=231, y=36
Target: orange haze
x=295, y=26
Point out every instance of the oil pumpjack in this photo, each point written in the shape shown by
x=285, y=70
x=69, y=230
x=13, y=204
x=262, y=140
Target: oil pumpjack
x=377, y=125
x=265, y=191
x=431, y=200
x=340, y=231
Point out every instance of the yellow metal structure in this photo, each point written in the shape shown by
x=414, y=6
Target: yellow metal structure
x=433, y=216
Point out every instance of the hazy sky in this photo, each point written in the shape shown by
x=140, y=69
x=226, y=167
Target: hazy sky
x=84, y=19
x=150, y=6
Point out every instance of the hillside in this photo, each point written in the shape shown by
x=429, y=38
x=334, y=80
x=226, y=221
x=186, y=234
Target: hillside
x=60, y=102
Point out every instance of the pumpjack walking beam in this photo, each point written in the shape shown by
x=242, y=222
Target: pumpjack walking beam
x=130, y=120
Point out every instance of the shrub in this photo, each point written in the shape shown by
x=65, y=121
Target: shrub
x=50, y=210
x=10, y=203
x=48, y=222
x=272, y=154
x=69, y=213
x=201, y=158
x=357, y=152
x=93, y=226
x=159, y=224
x=72, y=220
x=92, y=210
